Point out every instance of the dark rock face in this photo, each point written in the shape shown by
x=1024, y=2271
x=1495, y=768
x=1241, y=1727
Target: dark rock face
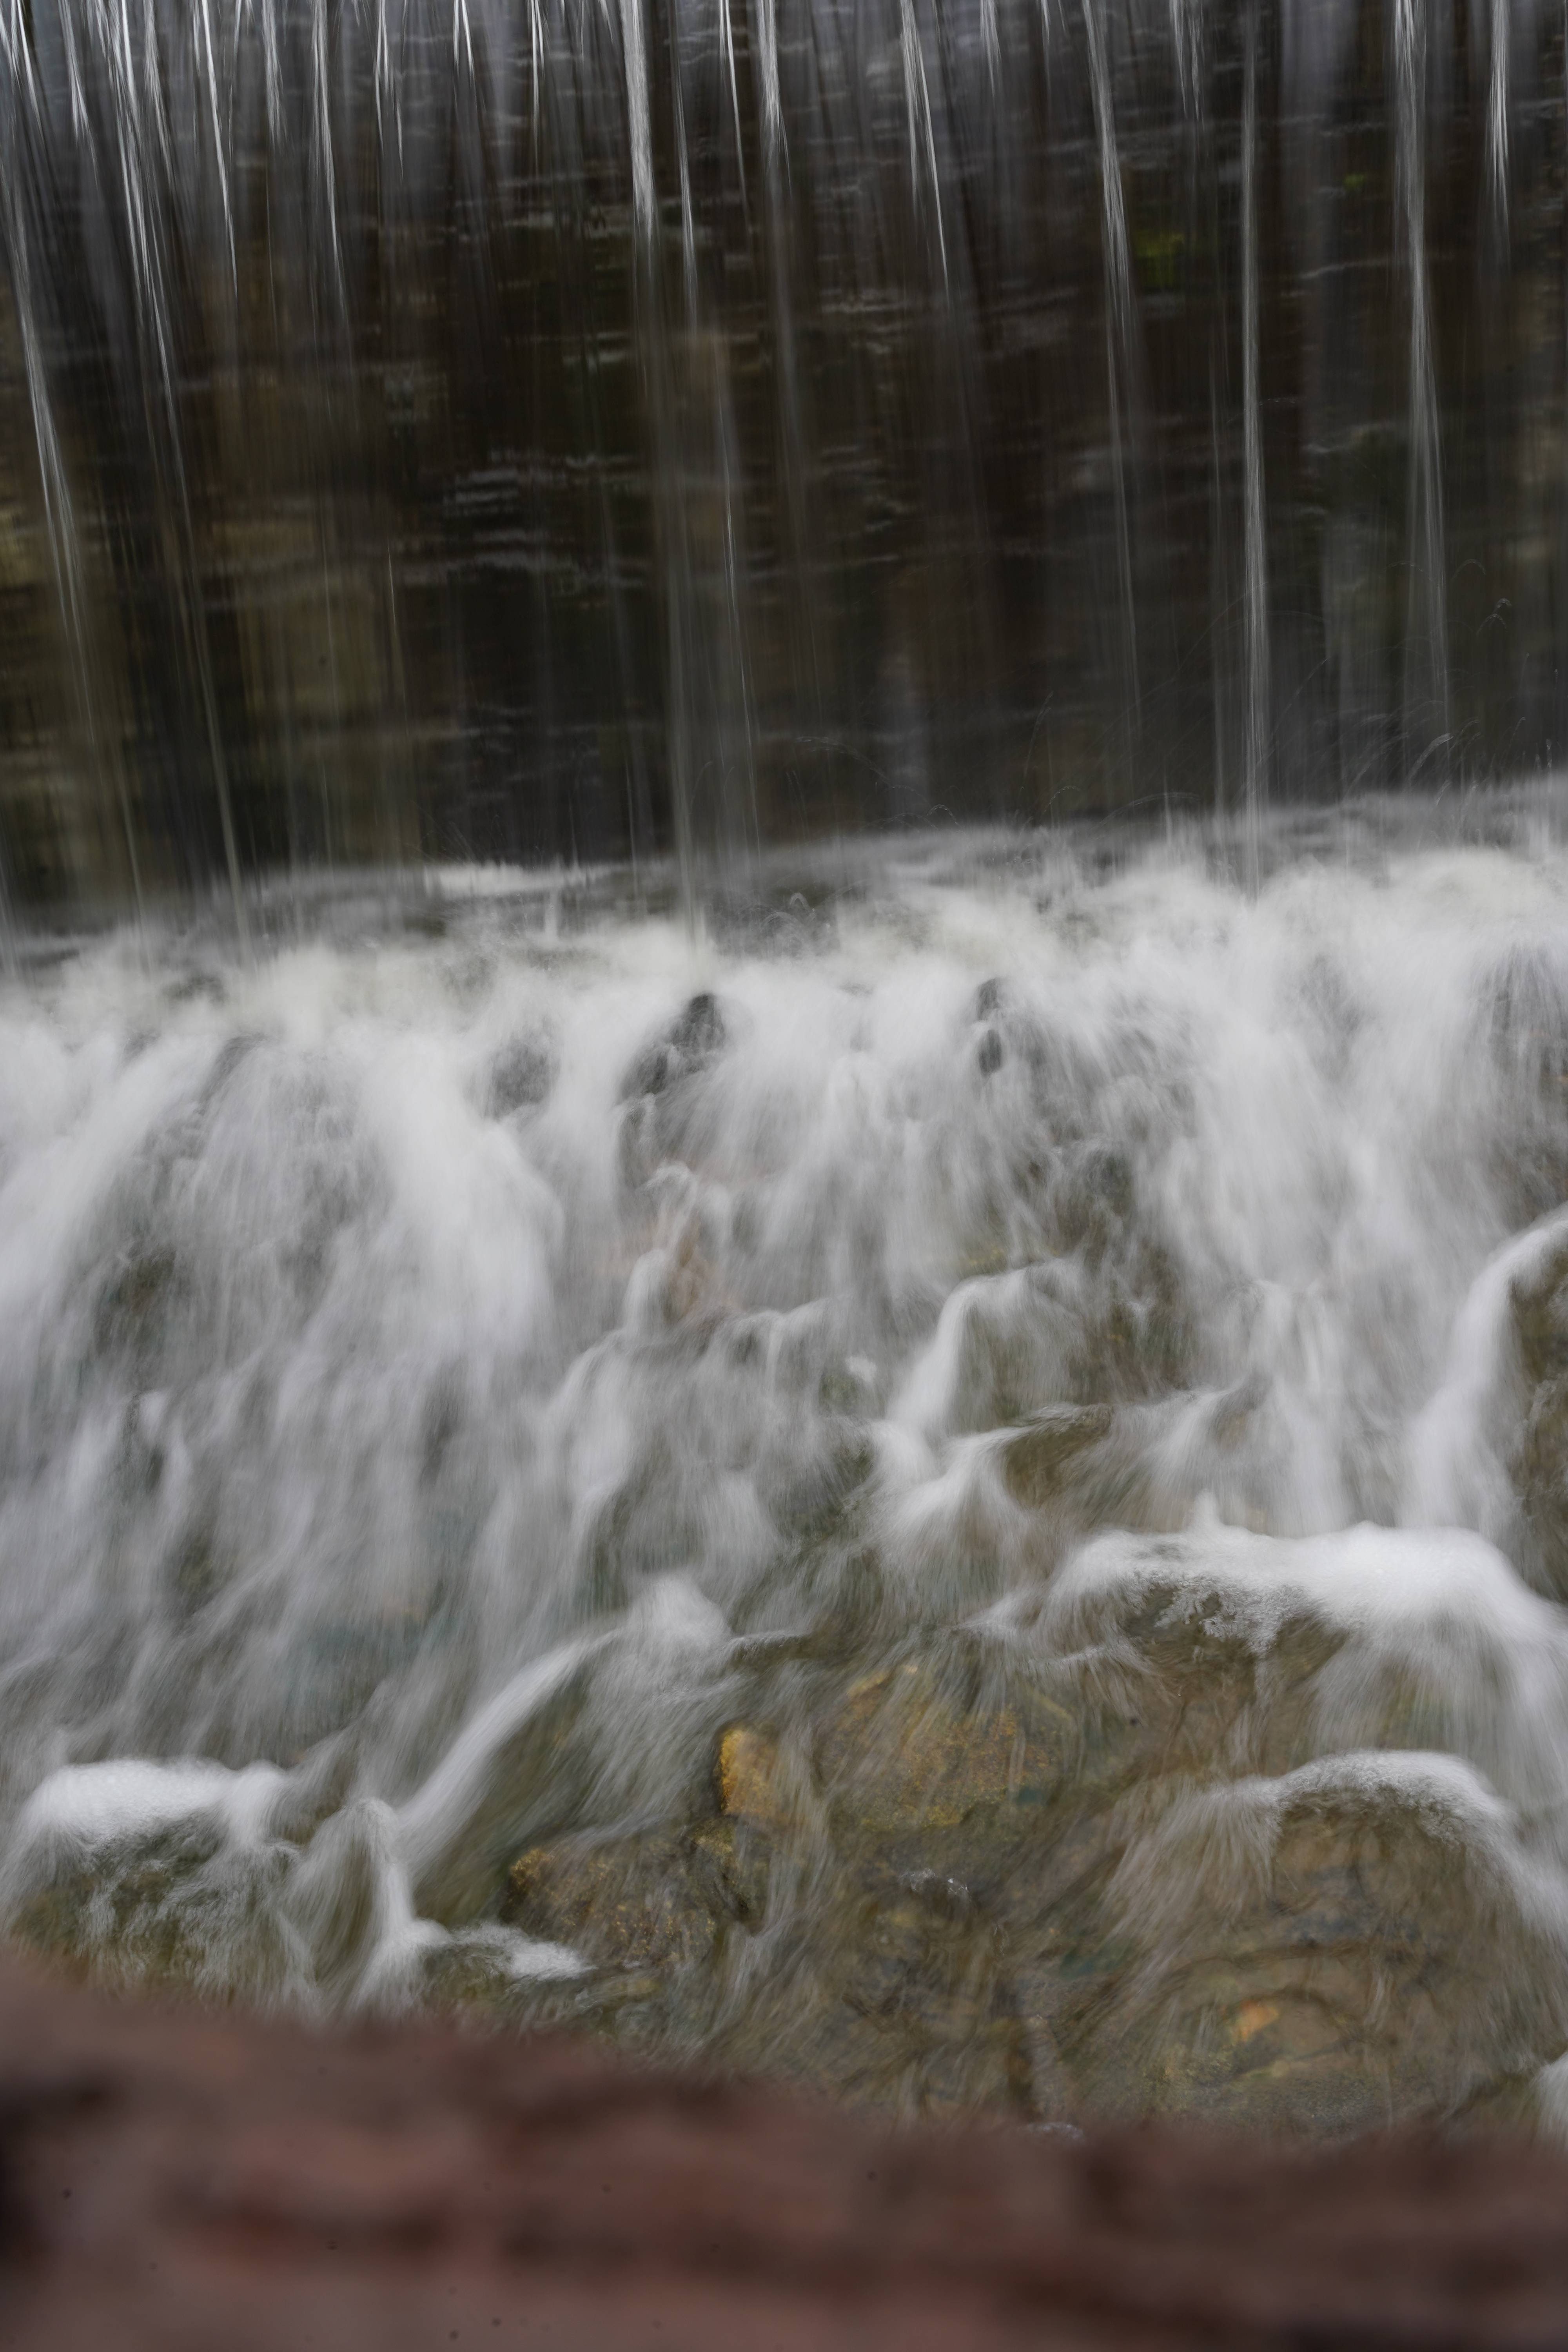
x=691, y=1042
x=533, y=529
x=520, y=1078
x=175, y=2181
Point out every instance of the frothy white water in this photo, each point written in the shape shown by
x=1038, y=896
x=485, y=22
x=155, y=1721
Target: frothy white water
x=436, y=1814
x=1431, y=1640
x=1460, y=1444
x=435, y=1365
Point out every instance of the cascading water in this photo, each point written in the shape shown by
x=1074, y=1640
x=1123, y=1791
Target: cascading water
x=850, y=1428
x=956, y=1488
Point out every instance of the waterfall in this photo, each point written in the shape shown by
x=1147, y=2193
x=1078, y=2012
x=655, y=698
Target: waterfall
x=782, y=1246
x=1428, y=718
x=352, y=342
x=994, y=1428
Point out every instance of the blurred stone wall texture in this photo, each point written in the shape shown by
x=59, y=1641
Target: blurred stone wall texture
x=437, y=428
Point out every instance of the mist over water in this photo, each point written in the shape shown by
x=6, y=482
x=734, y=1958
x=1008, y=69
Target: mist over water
x=461, y=1379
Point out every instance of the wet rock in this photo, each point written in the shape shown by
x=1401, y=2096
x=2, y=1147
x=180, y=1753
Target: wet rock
x=1040, y=1461
x=1538, y=1461
x=898, y=1997
x=1325, y=1954
x=128, y=1917
x=520, y=1077
x=663, y=1120
x=694, y=1038
x=1113, y=1873
x=701, y=1031
x=535, y=1785
x=904, y=1752
x=1541, y=1474
x=749, y=1781
x=733, y=1864
x=137, y=1303
x=1537, y=1297
x=625, y=1902
x=1490, y=1449
x=924, y=2014
x=1207, y=1698
x=1080, y=1468
x=1007, y=1347
x=1524, y=1014
x=853, y=1389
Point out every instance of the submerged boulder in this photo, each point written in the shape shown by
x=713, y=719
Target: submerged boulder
x=1166, y=1835
x=1348, y=1944
x=698, y=1033
x=1049, y=1453
x=520, y=1077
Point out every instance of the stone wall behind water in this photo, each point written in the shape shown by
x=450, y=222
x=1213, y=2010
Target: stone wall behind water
x=589, y=431
x=177, y=2181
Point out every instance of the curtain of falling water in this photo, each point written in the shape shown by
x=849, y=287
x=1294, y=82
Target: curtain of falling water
x=561, y=433
x=1426, y=658
x=1252, y=445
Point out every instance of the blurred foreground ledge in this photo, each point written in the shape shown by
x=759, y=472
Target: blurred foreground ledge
x=174, y=2180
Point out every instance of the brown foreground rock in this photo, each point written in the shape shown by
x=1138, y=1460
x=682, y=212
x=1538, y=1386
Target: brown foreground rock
x=1069, y=1896
x=176, y=2182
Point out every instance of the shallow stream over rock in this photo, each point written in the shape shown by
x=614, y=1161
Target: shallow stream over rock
x=956, y=1489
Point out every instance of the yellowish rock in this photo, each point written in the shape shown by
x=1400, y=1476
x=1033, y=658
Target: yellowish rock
x=748, y=1778
x=901, y=1752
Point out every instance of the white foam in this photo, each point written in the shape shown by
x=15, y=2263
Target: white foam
x=1368, y=1580
x=92, y=1805
x=401, y=1942
x=1434, y=1619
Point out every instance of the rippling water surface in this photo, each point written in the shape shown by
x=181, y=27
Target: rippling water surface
x=959, y=1486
